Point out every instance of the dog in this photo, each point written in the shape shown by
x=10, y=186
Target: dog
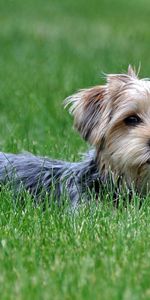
x=114, y=119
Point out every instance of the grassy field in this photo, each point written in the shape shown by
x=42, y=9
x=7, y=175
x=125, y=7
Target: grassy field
x=49, y=49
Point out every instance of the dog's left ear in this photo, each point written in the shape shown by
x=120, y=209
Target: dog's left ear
x=115, y=82
x=132, y=72
x=91, y=110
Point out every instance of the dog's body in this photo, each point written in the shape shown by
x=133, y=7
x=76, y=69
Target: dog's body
x=44, y=177
x=115, y=120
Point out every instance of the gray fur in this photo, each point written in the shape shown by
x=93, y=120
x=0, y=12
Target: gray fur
x=43, y=176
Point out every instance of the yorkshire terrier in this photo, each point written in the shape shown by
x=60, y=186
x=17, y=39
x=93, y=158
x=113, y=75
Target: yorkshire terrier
x=115, y=119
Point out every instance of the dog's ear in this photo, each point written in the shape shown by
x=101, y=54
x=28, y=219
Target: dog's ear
x=132, y=72
x=116, y=82
x=91, y=111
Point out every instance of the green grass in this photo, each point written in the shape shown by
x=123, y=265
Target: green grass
x=49, y=49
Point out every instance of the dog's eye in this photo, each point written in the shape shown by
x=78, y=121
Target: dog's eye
x=132, y=120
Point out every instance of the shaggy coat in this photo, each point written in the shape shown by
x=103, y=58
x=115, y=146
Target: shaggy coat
x=115, y=120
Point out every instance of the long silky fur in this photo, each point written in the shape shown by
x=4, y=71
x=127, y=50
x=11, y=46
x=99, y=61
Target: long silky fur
x=120, y=157
x=42, y=176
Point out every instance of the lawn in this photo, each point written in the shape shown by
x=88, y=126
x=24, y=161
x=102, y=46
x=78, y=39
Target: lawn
x=48, y=50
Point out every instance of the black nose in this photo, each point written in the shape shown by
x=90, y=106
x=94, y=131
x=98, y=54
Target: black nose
x=148, y=143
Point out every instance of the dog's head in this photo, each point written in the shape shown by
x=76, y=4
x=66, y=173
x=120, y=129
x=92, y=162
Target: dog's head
x=115, y=118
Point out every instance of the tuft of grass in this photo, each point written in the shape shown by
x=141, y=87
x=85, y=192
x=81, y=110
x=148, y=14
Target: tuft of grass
x=48, y=50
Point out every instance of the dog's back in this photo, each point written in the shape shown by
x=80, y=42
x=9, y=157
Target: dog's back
x=42, y=176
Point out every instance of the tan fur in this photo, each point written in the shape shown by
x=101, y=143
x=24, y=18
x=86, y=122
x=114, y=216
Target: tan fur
x=100, y=113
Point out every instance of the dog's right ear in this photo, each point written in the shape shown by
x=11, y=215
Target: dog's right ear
x=91, y=110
